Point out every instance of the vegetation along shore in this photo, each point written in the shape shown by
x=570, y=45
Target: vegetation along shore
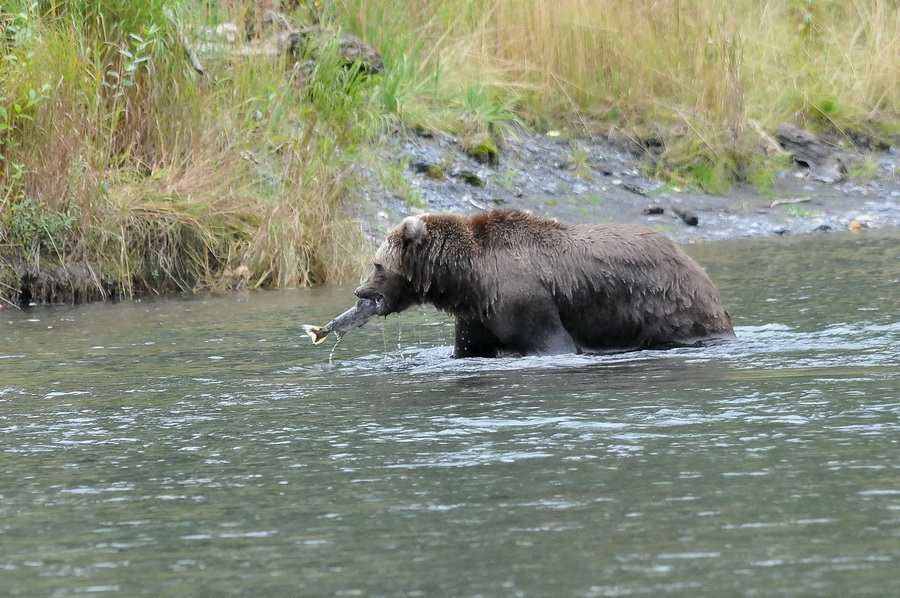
x=149, y=147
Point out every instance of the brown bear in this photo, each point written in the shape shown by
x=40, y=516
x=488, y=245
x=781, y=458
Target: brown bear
x=521, y=284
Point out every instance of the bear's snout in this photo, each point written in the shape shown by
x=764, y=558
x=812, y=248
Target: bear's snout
x=365, y=293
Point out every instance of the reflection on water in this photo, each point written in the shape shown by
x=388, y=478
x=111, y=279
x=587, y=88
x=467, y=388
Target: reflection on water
x=202, y=446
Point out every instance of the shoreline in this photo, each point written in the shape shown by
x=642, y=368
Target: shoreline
x=605, y=184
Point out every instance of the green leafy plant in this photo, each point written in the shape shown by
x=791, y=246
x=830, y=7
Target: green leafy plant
x=34, y=225
x=137, y=52
x=505, y=179
x=483, y=108
x=11, y=120
x=865, y=170
x=578, y=158
x=704, y=174
x=392, y=175
x=415, y=199
x=803, y=212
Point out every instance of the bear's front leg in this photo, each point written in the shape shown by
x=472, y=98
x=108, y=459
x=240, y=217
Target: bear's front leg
x=473, y=339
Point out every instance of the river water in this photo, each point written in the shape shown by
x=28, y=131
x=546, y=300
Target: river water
x=202, y=447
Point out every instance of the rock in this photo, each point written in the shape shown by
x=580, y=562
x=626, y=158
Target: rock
x=689, y=218
x=637, y=189
x=268, y=23
x=605, y=168
x=271, y=33
x=824, y=165
x=304, y=44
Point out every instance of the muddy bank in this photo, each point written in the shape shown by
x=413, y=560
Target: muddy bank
x=597, y=181
x=23, y=283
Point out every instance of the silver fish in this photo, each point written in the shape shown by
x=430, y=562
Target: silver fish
x=351, y=319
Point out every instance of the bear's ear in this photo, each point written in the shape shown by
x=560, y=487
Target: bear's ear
x=411, y=229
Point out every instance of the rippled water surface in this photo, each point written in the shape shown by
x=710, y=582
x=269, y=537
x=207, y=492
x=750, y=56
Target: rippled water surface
x=201, y=446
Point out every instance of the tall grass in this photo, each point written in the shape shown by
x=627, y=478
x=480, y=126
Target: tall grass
x=694, y=75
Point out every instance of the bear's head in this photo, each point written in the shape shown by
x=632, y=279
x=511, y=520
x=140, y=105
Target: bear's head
x=390, y=283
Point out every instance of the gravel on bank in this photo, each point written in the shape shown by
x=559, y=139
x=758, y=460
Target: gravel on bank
x=595, y=181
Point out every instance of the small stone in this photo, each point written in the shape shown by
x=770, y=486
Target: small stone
x=604, y=168
x=825, y=178
x=636, y=189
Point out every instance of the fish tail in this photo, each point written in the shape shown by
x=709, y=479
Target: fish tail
x=313, y=332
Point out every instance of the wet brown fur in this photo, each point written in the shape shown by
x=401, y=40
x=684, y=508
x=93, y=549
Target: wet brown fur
x=524, y=284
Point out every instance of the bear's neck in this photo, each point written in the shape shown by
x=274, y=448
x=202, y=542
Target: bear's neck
x=454, y=287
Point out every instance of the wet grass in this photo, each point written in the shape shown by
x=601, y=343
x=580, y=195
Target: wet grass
x=116, y=154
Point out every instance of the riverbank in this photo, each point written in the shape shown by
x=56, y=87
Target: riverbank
x=575, y=180
x=596, y=180
x=165, y=146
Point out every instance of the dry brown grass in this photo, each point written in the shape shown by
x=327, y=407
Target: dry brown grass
x=703, y=56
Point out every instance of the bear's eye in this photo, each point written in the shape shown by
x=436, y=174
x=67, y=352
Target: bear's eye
x=378, y=266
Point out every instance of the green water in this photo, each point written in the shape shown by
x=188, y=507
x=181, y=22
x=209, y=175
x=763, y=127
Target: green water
x=202, y=447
